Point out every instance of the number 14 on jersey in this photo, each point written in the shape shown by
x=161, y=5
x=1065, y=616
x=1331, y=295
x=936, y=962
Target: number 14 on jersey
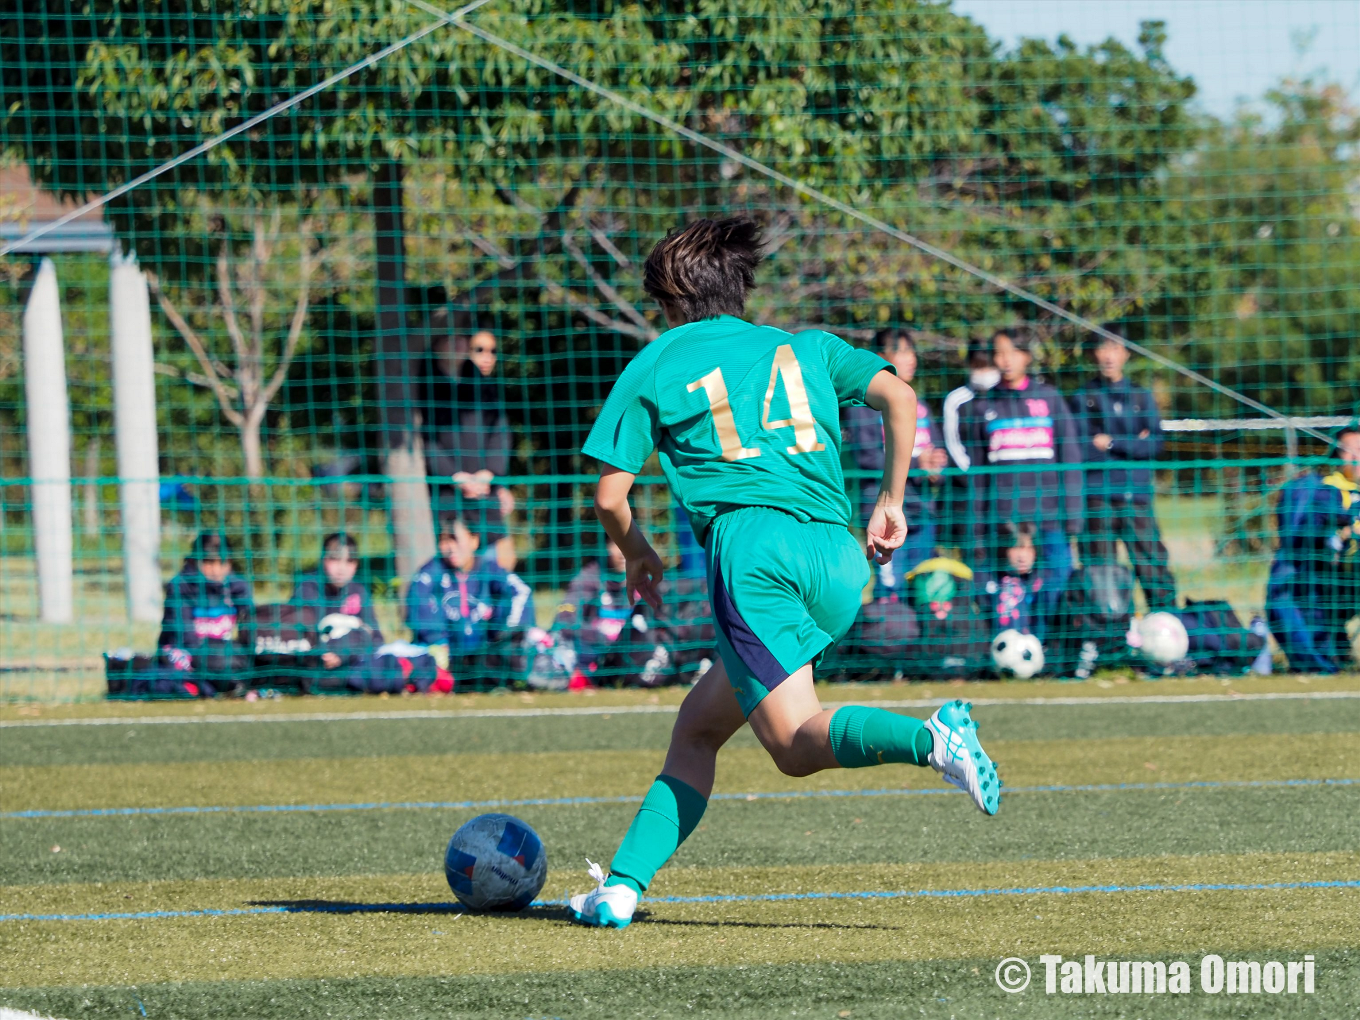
x=800, y=411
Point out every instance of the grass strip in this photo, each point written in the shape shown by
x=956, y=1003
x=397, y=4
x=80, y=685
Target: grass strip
x=462, y=735
x=308, y=944
x=889, y=990
x=626, y=773
x=885, y=830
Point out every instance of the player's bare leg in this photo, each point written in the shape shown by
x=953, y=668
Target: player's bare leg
x=673, y=806
x=792, y=726
x=709, y=716
x=804, y=738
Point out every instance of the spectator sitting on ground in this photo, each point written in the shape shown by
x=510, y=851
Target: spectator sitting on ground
x=1118, y=421
x=864, y=438
x=1313, y=588
x=205, y=625
x=1013, y=595
x=463, y=605
x=341, y=607
x=1024, y=424
x=612, y=638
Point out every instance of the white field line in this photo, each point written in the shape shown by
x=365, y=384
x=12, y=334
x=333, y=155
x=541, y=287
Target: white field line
x=604, y=710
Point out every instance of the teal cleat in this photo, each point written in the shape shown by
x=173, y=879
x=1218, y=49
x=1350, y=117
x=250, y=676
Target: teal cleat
x=606, y=906
x=959, y=757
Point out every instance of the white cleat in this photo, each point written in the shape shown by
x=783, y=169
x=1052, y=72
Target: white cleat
x=606, y=906
x=959, y=757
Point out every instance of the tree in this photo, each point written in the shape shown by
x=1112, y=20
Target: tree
x=276, y=275
x=1272, y=253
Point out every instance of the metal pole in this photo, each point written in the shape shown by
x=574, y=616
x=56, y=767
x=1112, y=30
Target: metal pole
x=49, y=446
x=134, y=415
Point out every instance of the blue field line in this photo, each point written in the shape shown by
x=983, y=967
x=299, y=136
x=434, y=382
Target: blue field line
x=886, y=894
x=476, y=805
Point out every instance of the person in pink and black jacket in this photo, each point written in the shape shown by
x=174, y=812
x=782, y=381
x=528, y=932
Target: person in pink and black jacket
x=1020, y=431
x=206, y=630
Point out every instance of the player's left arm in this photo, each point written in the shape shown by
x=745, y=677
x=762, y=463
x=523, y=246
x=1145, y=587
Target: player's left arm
x=896, y=401
x=644, y=568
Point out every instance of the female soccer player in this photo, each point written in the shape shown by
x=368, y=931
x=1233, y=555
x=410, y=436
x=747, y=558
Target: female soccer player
x=746, y=420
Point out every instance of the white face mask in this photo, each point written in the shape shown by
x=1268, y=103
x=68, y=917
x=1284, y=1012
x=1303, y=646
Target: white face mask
x=983, y=379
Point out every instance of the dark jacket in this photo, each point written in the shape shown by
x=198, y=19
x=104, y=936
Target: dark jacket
x=318, y=594
x=1121, y=411
x=322, y=599
x=596, y=603
x=468, y=611
x=203, y=616
x=863, y=430
x=1017, y=602
x=1311, y=512
x=466, y=423
x=1022, y=429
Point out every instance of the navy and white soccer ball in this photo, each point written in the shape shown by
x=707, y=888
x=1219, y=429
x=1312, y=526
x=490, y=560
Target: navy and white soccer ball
x=1164, y=639
x=1016, y=654
x=495, y=862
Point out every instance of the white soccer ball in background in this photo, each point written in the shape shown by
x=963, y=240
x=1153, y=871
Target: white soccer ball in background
x=1164, y=639
x=495, y=862
x=1016, y=654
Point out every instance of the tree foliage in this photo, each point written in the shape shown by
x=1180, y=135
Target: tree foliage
x=1081, y=172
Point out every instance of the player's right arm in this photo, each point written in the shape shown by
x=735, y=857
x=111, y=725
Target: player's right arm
x=896, y=401
x=644, y=569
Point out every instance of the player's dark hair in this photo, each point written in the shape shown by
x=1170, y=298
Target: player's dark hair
x=338, y=540
x=448, y=524
x=978, y=353
x=704, y=270
x=886, y=340
x=1022, y=338
x=209, y=545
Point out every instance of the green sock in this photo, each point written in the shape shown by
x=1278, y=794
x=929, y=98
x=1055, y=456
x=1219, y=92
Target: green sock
x=862, y=736
x=669, y=813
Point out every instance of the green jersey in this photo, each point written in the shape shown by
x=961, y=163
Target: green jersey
x=741, y=415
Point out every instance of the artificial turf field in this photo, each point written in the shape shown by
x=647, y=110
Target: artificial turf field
x=334, y=904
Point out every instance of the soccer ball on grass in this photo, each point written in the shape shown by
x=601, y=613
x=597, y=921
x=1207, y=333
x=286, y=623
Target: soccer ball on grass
x=495, y=862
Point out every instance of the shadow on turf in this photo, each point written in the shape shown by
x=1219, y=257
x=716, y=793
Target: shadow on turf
x=351, y=907
x=543, y=913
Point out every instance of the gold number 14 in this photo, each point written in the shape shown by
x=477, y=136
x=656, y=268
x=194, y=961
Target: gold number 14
x=800, y=411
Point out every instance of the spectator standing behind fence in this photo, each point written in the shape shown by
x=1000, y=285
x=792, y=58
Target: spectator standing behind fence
x=469, y=439
x=206, y=624
x=340, y=606
x=864, y=437
x=465, y=606
x=1018, y=427
x=982, y=376
x=1119, y=422
x=1313, y=588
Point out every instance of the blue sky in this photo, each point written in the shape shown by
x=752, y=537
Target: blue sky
x=1233, y=48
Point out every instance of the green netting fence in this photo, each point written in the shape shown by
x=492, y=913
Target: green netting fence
x=279, y=338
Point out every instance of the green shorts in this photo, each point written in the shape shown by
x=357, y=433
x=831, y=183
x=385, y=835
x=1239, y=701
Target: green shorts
x=783, y=592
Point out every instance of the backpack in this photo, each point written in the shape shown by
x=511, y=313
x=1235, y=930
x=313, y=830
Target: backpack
x=1095, y=612
x=955, y=639
x=1218, y=641
x=886, y=629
